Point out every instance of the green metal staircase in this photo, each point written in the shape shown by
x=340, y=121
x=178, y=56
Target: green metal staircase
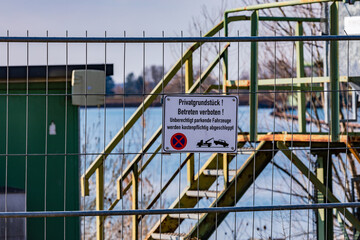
x=213, y=168
x=236, y=181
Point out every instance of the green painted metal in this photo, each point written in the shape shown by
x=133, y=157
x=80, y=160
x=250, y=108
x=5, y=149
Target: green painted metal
x=324, y=217
x=157, y=90
x=334, y=73
x=276, y=5
x=301, y=103
x=169, y=224
x=244, y=179
x=291, y=19
x=319, y=186
x=36, y=163
x=274, y=18
x=253, y=76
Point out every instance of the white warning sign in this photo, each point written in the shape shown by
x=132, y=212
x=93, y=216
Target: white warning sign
x=200, y=123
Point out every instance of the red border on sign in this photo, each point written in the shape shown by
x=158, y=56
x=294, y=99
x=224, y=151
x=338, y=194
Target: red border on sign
x=175, y=136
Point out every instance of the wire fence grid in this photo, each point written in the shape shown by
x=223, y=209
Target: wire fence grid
x=292, y=180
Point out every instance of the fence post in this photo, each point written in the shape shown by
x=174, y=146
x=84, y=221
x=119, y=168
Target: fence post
x=253, y=76
x=135, y=188
x=301, y=100
x=100, y=201
x=334, y=73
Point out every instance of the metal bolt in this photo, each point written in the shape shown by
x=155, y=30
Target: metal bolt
x=167, y=147
x=168, y=99
x=233, y=99
x=232, y=148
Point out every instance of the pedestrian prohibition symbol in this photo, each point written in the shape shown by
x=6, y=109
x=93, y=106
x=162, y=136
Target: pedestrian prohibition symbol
x=178, y=141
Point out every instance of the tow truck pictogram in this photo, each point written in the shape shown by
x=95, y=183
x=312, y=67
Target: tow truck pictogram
x=208, y=143
x=203, y=143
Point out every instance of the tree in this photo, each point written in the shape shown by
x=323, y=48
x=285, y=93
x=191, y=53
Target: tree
x=110, y=85
x=133, y=84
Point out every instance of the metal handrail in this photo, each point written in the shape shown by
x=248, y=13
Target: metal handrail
x=198, y=40
x=143, y=212
x=138, y=113
x=127, y=171
x=277, y=5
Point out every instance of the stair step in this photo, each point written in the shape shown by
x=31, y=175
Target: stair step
x=207, y=194
x=246, y=150
x=169, y=236
x=220, y=172
x=194, y=216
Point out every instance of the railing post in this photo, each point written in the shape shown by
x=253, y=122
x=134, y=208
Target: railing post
x=189, y=80
x=225, y=57
x=301, y=100
x=253, y=76
x=100, y=201
x=224, y=91
x=135, y=188
x=324, y=217
x=334, y=73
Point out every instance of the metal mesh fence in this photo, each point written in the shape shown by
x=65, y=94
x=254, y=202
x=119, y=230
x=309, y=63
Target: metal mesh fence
x=87, y=162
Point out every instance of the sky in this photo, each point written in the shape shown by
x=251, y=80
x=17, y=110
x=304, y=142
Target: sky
x=114, y=17
x=96, y=17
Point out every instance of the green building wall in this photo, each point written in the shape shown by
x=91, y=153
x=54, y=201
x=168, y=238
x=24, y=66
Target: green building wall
x=41, y=186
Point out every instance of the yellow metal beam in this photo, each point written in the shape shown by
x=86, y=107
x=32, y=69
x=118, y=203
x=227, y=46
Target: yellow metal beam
x=285, y=81
x=135, y=190
x=189, y=81
x=100, y=202
x=298, y=137
x=353, y=151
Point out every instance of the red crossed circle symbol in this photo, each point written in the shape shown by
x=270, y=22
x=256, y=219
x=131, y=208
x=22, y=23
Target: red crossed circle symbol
x=178, y=141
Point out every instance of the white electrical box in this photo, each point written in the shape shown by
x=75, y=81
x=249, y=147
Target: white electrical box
x=88, y=87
